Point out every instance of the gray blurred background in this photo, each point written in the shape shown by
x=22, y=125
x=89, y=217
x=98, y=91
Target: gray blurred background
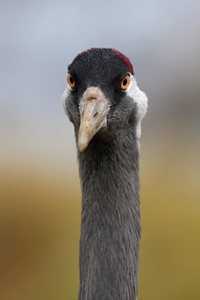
x=40, y=196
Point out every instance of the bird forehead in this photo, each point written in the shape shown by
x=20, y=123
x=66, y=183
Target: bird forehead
x=99, y=61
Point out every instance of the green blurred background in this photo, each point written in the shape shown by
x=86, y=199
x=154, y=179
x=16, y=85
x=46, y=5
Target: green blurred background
x=40, y=197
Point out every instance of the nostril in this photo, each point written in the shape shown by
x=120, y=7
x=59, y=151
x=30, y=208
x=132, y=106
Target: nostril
x=92, y=96
x=95, y=115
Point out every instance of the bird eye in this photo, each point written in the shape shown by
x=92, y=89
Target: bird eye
x=70, y=80
x=125, y=82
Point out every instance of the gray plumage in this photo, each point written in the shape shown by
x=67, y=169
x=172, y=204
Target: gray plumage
x=109, y=173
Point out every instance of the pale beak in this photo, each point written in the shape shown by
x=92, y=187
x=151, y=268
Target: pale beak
x=93, y=108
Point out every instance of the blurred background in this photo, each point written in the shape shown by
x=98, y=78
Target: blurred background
x=40, y=197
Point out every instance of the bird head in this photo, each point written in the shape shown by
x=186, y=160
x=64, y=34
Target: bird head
x=102, y=95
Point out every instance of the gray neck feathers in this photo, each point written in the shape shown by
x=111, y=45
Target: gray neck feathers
x=110, y=225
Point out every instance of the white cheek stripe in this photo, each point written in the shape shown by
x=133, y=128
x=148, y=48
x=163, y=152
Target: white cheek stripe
x=140, y=99
x=64, y=97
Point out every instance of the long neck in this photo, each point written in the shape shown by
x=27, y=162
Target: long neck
x=110, y=225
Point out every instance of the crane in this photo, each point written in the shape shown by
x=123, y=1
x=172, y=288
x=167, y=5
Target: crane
x=106, y=106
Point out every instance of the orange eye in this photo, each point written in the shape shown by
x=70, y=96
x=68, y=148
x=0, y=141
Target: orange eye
x=70, y=80
x=125, y=82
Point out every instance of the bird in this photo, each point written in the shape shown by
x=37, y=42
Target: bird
x=104, y=103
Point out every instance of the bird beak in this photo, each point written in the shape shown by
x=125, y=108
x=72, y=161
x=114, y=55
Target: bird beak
x=93, y=108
